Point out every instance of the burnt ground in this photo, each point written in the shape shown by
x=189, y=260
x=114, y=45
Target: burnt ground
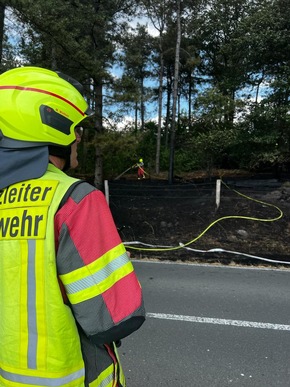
x=153, y=212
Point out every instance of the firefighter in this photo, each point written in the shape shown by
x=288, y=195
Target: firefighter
x=140, y=171
x=68, y=290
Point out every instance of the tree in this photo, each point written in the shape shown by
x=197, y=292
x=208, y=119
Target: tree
x=268, y=35
x=2, y=17
x=136, y=59
x=159, y=12
x=175, y=90
x=213, y=134
x=224, y=60
x=76, y=37
x=233, y=49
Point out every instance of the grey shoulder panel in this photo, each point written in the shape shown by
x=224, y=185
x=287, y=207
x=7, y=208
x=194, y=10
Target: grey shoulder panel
x=77, y=192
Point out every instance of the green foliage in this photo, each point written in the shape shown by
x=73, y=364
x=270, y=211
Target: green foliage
x=119, y=150
x=264, y=137
x=186, y=160
x=231, y=52
x=257, y=153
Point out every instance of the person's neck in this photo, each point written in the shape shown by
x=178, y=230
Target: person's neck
x=57, y=162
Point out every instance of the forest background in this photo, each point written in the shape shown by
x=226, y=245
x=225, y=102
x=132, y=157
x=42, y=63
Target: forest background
x=208, y=89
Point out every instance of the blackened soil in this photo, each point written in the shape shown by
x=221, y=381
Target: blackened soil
x=253, y=218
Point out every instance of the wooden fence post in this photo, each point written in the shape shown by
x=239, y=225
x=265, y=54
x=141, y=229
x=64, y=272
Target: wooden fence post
x=218, y=193
x=107, y=191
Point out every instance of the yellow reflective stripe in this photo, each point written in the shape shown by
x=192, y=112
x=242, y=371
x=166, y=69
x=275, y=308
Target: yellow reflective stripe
x=121, y=372
x=23, y=342
x=98, y=277
x=122, y=378
x=13, y=377
x=40, y=302
x=31, y=306
x=100, y=288
x=95, y=266
x=105, y=379
x=93, y=277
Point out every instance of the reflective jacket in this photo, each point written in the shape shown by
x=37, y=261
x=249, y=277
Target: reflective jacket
x=67, y=287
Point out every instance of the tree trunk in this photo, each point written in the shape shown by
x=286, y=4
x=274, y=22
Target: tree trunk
x=160, y=102
x=84, y=152
x=168, y=110
x=142, y=106
x=98, y=88
x=189, y=99
x=2, y=17
x=136, y=116
x=53, y=57
x=175, y=94
x=98, y=181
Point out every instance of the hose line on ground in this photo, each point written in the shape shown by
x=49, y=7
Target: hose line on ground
x=158, y=248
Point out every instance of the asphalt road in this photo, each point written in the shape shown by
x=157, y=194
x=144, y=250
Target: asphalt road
x=210, y=326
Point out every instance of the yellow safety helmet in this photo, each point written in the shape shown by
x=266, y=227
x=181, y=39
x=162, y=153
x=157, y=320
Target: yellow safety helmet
x=140, y=160
x=39, y=107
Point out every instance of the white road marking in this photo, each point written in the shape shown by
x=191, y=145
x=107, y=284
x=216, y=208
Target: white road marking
x=219, y=321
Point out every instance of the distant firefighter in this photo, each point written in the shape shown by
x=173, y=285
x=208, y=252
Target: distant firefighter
x=140, y=172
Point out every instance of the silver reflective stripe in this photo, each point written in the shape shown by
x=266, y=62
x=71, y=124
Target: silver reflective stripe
x=38, y=381
x=99, y=276
x=106, y=381
x=31, y=302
